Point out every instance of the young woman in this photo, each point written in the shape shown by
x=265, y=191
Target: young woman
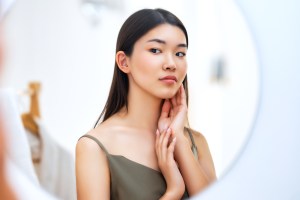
x=142, y=148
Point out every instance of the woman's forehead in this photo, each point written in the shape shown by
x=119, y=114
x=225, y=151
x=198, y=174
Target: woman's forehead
x=167, y=33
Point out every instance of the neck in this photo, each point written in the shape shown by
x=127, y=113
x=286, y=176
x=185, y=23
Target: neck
x=143, y=110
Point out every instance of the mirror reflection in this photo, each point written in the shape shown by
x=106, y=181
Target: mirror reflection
x=60, y=68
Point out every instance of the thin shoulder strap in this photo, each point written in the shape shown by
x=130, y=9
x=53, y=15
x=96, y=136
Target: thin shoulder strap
x=194, y=147
x=97, y=141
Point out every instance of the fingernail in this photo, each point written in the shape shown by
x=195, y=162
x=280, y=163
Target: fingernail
x=174, y=139
x=157, y=132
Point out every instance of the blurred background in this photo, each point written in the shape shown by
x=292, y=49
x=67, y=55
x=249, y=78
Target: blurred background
x=69, y=46
x=59, y=59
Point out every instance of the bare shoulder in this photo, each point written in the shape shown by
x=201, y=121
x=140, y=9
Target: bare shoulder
x=88, y=149
x=204, y=154
x=92, y=170
x=106, y=135
x=92, y=143
x=200, y=142
x=198, y=137
x=86, y=145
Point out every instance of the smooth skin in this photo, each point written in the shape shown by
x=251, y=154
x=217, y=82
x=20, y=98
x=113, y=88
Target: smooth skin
x=155, y=134
x=197, y=173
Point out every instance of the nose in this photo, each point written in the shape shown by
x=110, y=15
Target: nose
x=169, y=63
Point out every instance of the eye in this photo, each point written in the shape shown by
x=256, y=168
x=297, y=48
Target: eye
x=155, y=51
x=180, y=54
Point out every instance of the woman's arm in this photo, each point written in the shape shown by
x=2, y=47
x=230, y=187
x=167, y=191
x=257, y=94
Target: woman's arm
x=204, y=156
x=165, y=156
x=197, y=173
x=92, y=172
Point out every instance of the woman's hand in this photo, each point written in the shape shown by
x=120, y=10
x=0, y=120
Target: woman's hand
x=174, y=113
x=164, y=147
x=165, y=118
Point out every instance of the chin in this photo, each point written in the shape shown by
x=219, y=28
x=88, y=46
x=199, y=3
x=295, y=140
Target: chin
x=168, y=95
x=165, y=93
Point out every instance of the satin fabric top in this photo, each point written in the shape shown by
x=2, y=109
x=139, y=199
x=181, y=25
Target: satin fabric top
x=133, y=181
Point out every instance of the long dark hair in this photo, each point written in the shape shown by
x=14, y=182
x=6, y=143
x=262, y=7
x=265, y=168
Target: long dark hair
x=137, y=25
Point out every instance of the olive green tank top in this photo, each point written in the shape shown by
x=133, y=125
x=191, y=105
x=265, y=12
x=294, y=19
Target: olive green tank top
x=130, y=180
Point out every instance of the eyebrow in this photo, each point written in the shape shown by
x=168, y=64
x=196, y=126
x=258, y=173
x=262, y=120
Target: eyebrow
x=164, y=42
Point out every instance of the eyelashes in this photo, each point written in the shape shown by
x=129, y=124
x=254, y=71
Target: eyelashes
x=157, y=51
x=180, y=54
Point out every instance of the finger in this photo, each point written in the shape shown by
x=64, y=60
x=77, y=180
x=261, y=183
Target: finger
x=167, y=138
x=172, y=147
x=157, y=142
x=161, y=139
x=178, y=95
x=164, y=145
x=172, y=114
x=173, y=101
x=165, y=109
x=182, y=96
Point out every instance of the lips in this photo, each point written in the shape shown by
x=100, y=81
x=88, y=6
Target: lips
x=169, y=78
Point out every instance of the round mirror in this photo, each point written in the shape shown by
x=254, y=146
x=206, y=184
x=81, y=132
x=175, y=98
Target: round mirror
x=69, y=47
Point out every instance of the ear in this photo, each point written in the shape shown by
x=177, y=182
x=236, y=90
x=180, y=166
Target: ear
x=121, y=60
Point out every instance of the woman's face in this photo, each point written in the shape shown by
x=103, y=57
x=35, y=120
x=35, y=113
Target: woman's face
x=158, y=61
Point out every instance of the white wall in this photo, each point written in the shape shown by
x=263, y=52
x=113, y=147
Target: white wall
x=51, y=42
x=268, y=168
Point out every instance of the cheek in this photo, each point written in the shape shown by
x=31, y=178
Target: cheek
x=182, y=70
x=147, y=64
